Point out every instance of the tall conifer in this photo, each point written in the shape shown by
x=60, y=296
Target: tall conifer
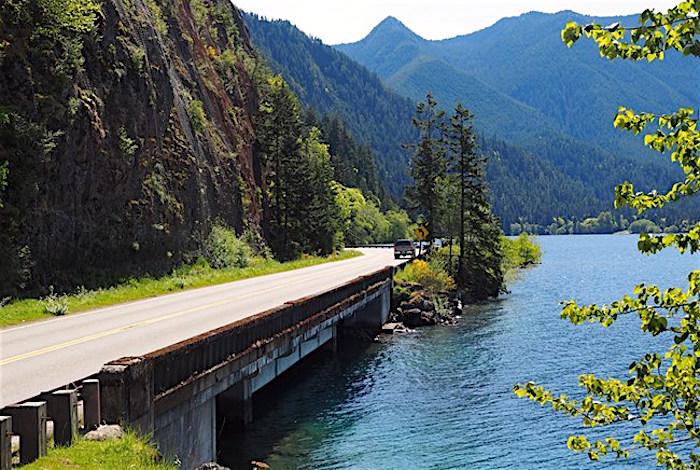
x=479, y=267
x=428, y=163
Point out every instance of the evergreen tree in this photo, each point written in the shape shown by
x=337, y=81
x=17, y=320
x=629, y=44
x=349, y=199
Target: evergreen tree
x=479, y=267
x=428, y=163
x=280, y=133
x=315, y=199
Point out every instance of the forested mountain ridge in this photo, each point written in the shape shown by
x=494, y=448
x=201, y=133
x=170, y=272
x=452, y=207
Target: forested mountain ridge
x=556, y=104
x=331, y=83
x=128, y=130
x=523, y=185
x=540, y=74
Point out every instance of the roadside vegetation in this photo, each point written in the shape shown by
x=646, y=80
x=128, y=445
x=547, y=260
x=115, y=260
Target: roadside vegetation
x=431, y=275
x=437, y=273
x=426, y=292
x=226, y=258
x=364, y=223
x=127, y=452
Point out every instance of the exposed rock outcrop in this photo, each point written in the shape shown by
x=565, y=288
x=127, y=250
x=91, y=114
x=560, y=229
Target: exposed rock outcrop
x=118, y=163
x=417, y=308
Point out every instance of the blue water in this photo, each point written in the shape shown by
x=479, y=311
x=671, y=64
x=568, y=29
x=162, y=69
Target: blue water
x=441, y=398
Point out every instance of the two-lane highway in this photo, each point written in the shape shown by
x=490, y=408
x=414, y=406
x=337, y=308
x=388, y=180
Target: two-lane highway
x=45, y=355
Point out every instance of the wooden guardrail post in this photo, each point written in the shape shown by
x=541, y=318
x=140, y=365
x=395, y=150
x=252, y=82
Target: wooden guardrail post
x=92, y=409
x=62, y=408
x=5, y=443
x=29, y=423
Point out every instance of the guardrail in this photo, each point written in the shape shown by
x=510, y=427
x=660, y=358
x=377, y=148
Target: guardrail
x=28, y=421
x=177, y=363
x=388, y=245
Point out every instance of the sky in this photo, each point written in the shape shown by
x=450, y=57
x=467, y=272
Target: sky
x=339, y=21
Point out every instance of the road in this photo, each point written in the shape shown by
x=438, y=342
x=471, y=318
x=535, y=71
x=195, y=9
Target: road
x=42, y=356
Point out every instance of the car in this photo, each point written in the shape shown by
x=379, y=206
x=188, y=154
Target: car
x=404, y=248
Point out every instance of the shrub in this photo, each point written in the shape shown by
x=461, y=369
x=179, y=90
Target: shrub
x=224, y=250
x=127, y=145
x=157, y=15
x=431, y=276
x=257, y=243
x=520, y=252
x=55, y=304
x=179, y=282
x=195, y=110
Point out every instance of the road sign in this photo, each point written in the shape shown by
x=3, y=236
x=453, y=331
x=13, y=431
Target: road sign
x=421, y=232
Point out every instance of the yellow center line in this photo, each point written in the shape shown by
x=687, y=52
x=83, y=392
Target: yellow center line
x=103, y=334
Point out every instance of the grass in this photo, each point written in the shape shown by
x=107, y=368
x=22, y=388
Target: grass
x=129, y=452
x=187, y=277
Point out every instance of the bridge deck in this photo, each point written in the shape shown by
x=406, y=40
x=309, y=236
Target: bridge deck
x=42, y=356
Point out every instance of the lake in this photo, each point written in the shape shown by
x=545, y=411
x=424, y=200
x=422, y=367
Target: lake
x=441, y=398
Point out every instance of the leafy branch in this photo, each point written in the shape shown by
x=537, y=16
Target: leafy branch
x=662, y=390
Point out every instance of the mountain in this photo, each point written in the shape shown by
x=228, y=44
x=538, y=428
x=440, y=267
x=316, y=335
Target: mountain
x=125, y=137
x=527, y=88
x=523, y=184
x=331, y=83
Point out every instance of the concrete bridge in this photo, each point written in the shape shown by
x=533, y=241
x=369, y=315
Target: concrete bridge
x=179, y=392
x=176, y=394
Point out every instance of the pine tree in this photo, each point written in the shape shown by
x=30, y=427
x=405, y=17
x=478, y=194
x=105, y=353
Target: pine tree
x=280, y=133
x=479, y=267
x=428, y=163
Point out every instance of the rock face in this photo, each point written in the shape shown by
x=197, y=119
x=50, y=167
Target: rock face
x=119, y=162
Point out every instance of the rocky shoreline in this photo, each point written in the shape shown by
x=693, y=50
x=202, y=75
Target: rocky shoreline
x=414, y=307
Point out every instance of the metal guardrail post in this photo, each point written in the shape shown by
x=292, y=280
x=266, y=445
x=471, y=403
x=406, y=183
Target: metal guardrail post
x=62, y=408
x=92, y=411
x=29, y=423
x=5, y=443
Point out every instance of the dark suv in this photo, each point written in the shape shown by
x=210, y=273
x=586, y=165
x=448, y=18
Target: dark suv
x=404, y=248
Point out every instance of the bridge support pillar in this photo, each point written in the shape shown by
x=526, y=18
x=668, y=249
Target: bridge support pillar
x=332, y=344
x=370, y=319
x=188, y=432
x=29, y=423
x=236, y=404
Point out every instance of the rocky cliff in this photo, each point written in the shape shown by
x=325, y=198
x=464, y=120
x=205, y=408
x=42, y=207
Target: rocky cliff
x=127, y=128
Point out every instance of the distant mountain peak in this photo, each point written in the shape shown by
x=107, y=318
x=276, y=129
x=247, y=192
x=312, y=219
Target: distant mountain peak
x=393, y=26
x=391, y=21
